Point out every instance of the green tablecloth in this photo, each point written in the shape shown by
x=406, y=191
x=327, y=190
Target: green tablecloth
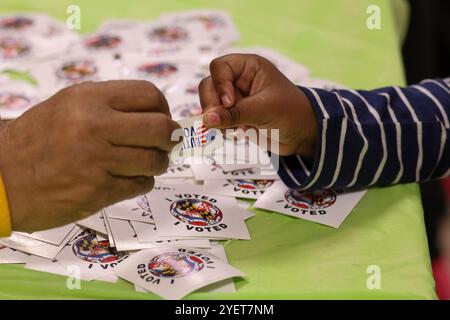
x=288, y=258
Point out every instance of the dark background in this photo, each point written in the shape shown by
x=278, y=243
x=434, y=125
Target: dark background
x=426, y=54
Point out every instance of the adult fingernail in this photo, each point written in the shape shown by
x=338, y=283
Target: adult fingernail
x=226, y=101
x=212, y=119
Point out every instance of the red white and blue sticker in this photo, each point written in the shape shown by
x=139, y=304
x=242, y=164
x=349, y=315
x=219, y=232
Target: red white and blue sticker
x=15, y=23
x=16, y=98
x=240, y=188
x=168, y=34
x=77, y=70
x=159, y=70
x=95, y=258
x=175, y=264
x=311, y=199
x=185, y=110
x=89, y=249
x=103, y=41
x=324, y=206
x=173, y=272
x=196, y=214
x=13, y=48
x=194, y=138
x=14, y=101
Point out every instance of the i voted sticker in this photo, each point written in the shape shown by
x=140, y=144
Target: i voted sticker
x=196, y=139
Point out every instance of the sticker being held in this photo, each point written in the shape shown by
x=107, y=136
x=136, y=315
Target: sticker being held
x=15, y=23
x=197, y=140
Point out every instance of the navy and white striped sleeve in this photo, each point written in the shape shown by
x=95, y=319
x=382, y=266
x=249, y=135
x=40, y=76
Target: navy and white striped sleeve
x=375, y=138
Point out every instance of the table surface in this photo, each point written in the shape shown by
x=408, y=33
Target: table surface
x=287, y=258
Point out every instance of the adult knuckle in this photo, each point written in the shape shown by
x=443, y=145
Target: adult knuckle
x=150, y=183
x=162, y=126
x=139, y=186
x=73, y=90
x=167, y=127
x=161, y=102
x=75, y=111
x=79, y=90
x=62, y=93
x=146, y=184
x=152, y=94
x=148, y=89
x=74, y=120
x=145, y=86
x=105, y=121
x=163, y=164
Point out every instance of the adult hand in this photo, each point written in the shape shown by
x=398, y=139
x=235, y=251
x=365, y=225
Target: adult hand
x=87, y=147
x=246, y=90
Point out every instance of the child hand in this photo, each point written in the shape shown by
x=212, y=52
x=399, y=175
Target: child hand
x=247, y=90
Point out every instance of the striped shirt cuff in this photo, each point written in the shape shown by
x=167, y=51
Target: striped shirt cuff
x=375, y=138
x=303, y=173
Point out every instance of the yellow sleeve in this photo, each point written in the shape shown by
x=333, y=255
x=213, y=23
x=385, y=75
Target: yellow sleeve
x=5, y=219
